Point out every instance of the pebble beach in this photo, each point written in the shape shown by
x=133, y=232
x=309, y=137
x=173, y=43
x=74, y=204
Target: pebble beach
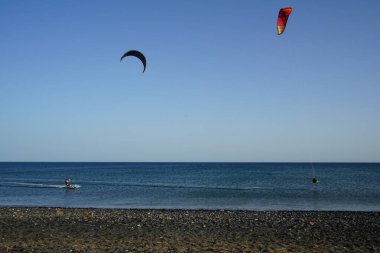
x=130, y=230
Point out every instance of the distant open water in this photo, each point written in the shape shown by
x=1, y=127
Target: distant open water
x=246, y=186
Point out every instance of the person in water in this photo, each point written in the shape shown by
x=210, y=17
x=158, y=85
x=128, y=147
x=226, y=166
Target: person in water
x=314, y=180
x=68, y=182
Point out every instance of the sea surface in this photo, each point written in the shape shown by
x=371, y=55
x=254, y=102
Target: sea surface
x=243, y=186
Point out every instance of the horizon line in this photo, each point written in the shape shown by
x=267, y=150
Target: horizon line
x=170, y=162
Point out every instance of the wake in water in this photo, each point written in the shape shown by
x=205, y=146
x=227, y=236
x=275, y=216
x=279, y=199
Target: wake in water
x=34, y=185
x=153, y=185
x=188, y=186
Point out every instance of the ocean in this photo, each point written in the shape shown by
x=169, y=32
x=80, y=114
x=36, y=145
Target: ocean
x=235, y=186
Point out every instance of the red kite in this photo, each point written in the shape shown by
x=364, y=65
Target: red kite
x=282, y=19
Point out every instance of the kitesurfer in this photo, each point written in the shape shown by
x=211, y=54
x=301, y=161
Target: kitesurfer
x=68, y=182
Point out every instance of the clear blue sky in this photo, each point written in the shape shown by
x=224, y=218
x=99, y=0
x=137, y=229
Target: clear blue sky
x=220, y=84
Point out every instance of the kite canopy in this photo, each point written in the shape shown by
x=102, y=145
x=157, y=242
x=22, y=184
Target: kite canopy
x=137, y=54
x=282, y=19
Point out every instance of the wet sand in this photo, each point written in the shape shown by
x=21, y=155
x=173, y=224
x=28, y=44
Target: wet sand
x=126, y=230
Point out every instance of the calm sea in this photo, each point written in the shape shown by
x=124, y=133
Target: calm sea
x=248, y=186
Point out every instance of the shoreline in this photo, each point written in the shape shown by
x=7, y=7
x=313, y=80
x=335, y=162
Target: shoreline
x=55, y=229
x=186, y=209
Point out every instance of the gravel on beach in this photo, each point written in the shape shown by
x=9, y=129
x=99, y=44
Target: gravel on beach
x=131, y=230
